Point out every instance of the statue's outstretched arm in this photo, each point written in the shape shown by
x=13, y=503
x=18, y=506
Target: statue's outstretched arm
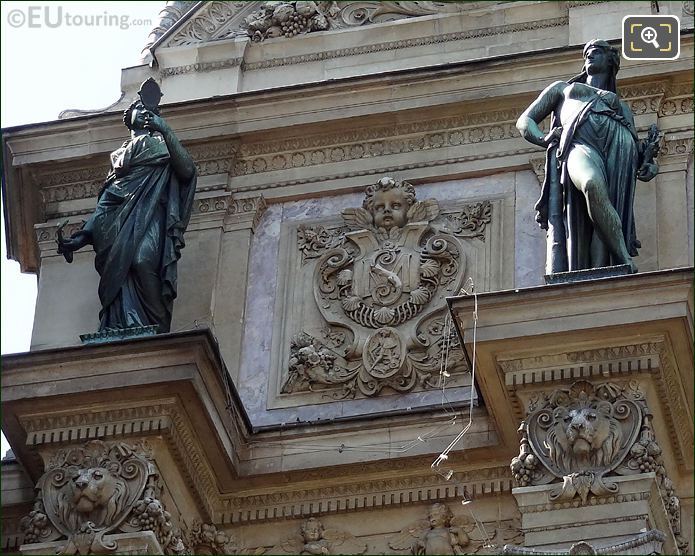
x=181, y=161
x=542, y=107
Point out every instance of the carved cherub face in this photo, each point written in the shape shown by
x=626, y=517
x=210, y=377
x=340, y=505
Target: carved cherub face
x=312, y=530
x=390, y=209
x=438, y=516
x=388, y=201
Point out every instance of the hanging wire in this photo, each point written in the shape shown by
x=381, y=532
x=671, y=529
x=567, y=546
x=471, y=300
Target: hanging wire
x=445, y=454
x=449, y=410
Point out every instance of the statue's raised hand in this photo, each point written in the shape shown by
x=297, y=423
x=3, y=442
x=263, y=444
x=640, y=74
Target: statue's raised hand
x=648, y=171
x=153, y=122
x=78, y=240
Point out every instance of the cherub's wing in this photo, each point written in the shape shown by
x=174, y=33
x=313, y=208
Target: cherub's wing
x=424, y=211
x=343, y=542
x=470, y=536
x=409, y=535
x=463, y=522
x=509, y=532
x=292, y=545
x=357, y=218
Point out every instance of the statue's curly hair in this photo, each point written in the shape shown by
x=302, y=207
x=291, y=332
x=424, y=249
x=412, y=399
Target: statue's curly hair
x=128, y=113
x=386, y=184
x=305, y=523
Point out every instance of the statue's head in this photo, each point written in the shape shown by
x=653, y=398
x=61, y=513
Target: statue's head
x=388, y=201
x=134, y=115
x=439, y=515
x=601, y=58
x=312, y=530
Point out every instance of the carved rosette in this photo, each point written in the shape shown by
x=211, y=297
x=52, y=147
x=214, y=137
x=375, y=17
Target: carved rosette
x=581, y=436
x=379, y=282
x=96, y=489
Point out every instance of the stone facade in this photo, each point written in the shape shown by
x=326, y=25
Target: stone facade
x=320, y=360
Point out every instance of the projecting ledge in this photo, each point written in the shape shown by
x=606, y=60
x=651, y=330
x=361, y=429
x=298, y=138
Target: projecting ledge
x=638, y=326
x=165, y=389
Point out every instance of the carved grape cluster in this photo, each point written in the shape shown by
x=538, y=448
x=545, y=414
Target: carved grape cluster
x=149, y=515
x=36, y=526
x=294, y=25
x=523, y=467
x=646, y=456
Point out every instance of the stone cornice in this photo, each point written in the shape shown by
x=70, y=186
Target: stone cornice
x=159, y=398
x=408, y=43
x=201, y=67
x=365, y=494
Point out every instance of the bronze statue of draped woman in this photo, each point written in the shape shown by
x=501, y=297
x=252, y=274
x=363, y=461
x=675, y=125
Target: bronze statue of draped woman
x=593, y=157
x=141, y=215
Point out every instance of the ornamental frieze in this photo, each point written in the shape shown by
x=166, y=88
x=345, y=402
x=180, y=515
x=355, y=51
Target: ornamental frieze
x=378, y=283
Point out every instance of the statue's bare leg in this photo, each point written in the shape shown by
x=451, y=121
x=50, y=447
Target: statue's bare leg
x=588, y=178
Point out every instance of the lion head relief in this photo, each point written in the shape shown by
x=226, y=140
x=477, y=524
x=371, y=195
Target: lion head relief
x=94, y=494
x=583, y=437
x=583, y=429
x=96, y=484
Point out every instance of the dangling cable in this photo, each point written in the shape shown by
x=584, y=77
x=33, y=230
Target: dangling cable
x=445, y=454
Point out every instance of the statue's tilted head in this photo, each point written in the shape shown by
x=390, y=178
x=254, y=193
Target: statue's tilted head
x=599, y=56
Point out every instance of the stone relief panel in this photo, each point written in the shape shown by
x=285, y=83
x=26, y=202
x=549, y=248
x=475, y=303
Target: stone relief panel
x=444, y=533
x=313, y=538
x=96, y=489
x=268, y=20
x=290, y=240
x=583, y=435
x=372, y=288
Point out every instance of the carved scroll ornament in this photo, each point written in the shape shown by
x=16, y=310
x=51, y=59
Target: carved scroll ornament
x=379, y=283
x=96, y=489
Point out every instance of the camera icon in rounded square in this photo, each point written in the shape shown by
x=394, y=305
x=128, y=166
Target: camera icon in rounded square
x=651, y=37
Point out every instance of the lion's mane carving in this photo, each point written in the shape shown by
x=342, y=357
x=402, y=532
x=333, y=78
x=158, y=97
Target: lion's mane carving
x=96, y=494
x=584, y=437
x=96, y=489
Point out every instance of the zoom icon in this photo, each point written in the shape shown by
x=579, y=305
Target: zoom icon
x=651, y=37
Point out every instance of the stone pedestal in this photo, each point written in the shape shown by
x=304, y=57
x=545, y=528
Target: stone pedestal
x=637, y=507
x=143, y=542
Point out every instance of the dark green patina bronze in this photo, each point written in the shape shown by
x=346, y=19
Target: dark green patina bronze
x=137, y=227
x=593, y=158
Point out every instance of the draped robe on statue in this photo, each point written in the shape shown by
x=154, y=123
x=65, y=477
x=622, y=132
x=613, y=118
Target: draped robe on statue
x=137, y=231
x=603, y=128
